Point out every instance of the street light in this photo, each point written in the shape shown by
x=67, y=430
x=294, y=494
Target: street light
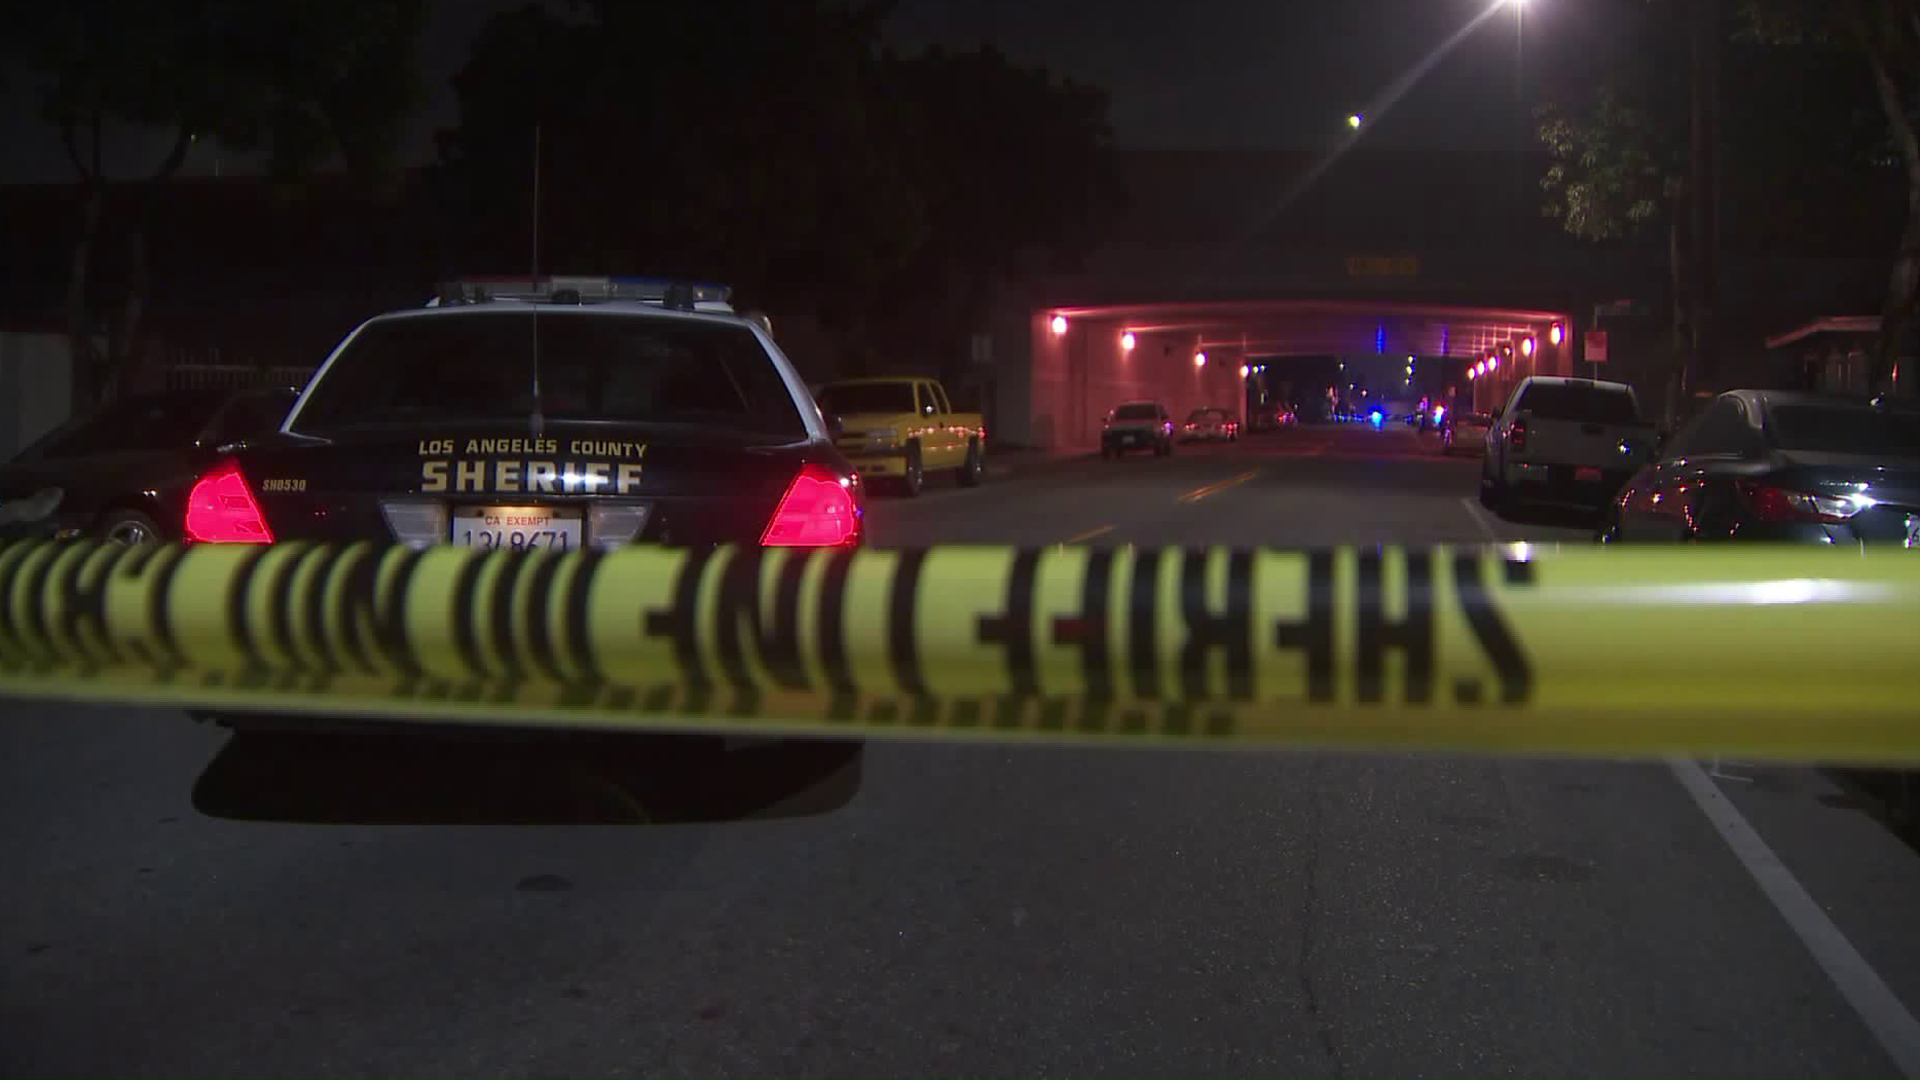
x=1199, y=359
x=1556, y=334
x=1059, y=324
x=1355, y=120
x=1526, y=345
x=1126, y=341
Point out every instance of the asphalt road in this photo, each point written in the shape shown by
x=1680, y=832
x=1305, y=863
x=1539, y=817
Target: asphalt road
x=968, y=910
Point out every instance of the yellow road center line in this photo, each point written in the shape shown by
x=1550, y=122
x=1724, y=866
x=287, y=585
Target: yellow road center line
x=1082, y=538
x=1197, y=494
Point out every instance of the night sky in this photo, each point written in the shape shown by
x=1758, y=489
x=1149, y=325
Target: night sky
x=1264, y=74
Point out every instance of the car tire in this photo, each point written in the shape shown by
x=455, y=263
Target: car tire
x=130, y=527
x=913, y=478
x=973, y=471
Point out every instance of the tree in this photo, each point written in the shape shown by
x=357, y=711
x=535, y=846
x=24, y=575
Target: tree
x=1619, y=151
x=1014, y=167
x=301, y=81
x=1884, y=36
x=771, y=144
x=742, y=140
x=1793, y=128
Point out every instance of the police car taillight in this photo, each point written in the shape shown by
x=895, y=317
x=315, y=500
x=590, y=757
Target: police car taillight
x=818, y=510
x=221, y=509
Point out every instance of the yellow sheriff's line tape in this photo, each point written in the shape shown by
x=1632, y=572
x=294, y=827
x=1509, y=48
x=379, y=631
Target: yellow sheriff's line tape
x=1735, y=650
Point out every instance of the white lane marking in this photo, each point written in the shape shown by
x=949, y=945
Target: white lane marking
x=1479, y=517
x=1885, y=1016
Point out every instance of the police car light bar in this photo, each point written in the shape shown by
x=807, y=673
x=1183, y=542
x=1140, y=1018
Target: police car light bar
x=704, y=296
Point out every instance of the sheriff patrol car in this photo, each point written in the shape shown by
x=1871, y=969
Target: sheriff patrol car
x=550, y=413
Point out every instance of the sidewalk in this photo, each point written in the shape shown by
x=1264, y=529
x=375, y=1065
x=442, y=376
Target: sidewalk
x=1007, y=460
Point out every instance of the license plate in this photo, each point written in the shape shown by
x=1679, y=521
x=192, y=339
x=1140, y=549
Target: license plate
x=1128, y=440
x=519, y=528
x=1586, y=476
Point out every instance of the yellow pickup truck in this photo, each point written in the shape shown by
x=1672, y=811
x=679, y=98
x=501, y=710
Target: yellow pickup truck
x=900, y=429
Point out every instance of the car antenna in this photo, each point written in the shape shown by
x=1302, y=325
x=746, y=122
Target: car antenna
x=536, y=423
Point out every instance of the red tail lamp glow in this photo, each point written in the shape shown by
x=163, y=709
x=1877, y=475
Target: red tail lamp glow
x=221, y=510
x=816, y=511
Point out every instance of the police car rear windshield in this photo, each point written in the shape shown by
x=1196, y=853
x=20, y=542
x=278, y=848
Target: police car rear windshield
x=866, y=398
x=1582, y=402
x=613, y=368
x=1830, y=429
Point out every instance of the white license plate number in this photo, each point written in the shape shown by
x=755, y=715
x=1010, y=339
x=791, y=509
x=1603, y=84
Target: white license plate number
x=516, y=528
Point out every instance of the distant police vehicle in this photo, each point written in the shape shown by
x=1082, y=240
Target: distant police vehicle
x=545, y=414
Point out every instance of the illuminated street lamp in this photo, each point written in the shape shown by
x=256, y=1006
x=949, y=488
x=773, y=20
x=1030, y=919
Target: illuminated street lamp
x=1126, y=341
x=1199, y=359
x=1526, y=345
x=1493, y=364
x=1244, y=370
x=1556, y=334
x=1355, y=120
x=1059, y=324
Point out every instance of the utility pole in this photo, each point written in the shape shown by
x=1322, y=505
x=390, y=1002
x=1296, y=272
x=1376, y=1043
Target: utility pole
x=1703, y=187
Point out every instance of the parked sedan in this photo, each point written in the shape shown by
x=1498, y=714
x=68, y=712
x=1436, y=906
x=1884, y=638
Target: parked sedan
x=1212, y=424
x=124, y=471
x=1464, y=433
x=1767, y=465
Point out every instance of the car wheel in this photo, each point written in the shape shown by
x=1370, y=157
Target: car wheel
x=973, y=471
x=130, y=527
x=913, y=479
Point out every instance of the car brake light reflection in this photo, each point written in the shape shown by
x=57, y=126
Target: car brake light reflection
x=817, y=511
x=221, y=509
x=1780, y=504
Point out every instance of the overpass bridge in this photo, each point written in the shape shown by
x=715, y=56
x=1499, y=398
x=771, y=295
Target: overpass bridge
x=1266, y=259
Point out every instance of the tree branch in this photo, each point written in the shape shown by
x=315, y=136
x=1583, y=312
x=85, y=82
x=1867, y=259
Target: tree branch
x=87, y=176
x=1889, y=91
x=175, y=158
